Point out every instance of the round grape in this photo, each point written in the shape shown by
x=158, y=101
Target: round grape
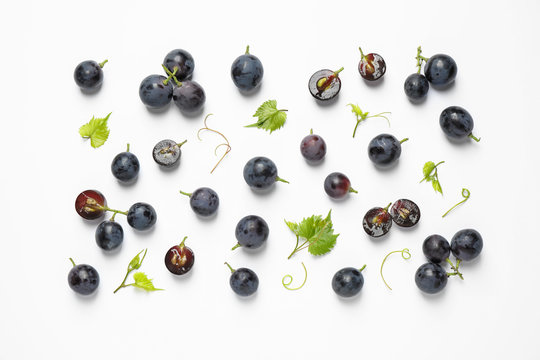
x=182, y=61
x=377, y=222
x=179, y=259
x=416, y=87
x=83, y=279
x=384, y=150
x=125, y=166
x=141, y=216
x=324, y=85
x=337, y=185
x=456, y=123
x=204, y=201
x=260, y=173
x=247, y=72
x=467, y=244
x=436, y=248
x=347, y=282
x=189, y=97
x=440, y=70
x=313, y=148
x=155, y=91
x=431, y=278
x=89, y=75
x=251, y=232
x=109, y=235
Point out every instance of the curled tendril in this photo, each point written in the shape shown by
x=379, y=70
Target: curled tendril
x=288, y=279
x=466, y=195
x=405, y=254
x=226, y=143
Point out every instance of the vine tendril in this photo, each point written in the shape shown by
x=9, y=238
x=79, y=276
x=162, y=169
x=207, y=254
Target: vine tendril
x=466, y=195
x=226, y=143
x=288, y=279
x=405, y=254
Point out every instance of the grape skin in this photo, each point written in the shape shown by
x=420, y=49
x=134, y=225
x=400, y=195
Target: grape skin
x=141, y=216
x=204, y=201
x=252, y=231
x=431, y=278
x=347, y=282
x=244, y=282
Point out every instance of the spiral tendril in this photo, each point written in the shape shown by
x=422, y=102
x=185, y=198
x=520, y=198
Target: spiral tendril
x=288, y=279
x=405, y=254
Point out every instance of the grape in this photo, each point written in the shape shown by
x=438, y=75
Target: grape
x=436, y=248
x=260, y=173
x=440, y=70
x=384, y=149
x=179, y=259
x=313, y=148
x=204, y=201
x=251, y=232
x=247, y=72
x=337, y=185
x=405, y=213
x=90, y=204
x=377, y=221
x=243, y=281
x=347, y=282
x=416, y=87
x=457, y=123
x=83, y=279
x=89, y=75
x=141, y=216
x=325, y=84
x=167, y=153
x=467, y=244
x=371, y=66
x=189, y=97
x=109, y=235
x=431, y=278
x=125, y=166
x=155, y=91
x=182, y=61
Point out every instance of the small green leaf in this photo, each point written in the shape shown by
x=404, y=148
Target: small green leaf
x=436, y=186
x=318, y=234
x=96, y=130
x=136, y=262
x=428, y=168
x=143, y=282
x=356, y=110
x=270, y=118
x=293, y=226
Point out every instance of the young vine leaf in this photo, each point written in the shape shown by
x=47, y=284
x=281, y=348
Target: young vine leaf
x=96, y=130
x=430, y=174
x=143, y=282
x=317, y=233
x=140, y=278
x=361, y=116
x=270, y=118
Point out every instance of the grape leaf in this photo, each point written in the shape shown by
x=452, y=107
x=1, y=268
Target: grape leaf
x=436, y=186
x=318, y=234
x=96, y=130
x=428, y=168
x=143, y=282
x=270, y=118
x=356, y=110
x=136, y=262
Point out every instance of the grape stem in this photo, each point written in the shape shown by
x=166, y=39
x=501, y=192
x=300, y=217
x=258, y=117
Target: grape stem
x=466, y=195
x=405, y=254
x=282, y=180
x=106, y=208
x=229, y=266
x=236, y=246
x=127, y=150
x=361, y=116
x=73, y=262
x=420, y=59
x=325, y=83
x=226, y=143
x=247, y=50
x=455, y=268
x=474, y=137
x=298, y=248
x=289, y=278
x=171, y=75
x=132, y=266
x=362, y=56
x=102, y=64
x=183, y=241
x=402, y=141
x=185, y=193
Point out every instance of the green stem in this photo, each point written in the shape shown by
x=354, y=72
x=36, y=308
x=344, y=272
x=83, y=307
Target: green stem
x=102, y=64
x=112, y=217
x=387, y=207
x=420, y=59
x=282, y=180
x=362, y=56
x=362, y=268
x=127, y=148
x=183, y=241
x=311, y=132
x=73, y=262
x=185, y=193
x=402, y=141
x=171, y=75
x=229, y=266
x=405, y=254
x=296, y=247
x=357, y=123
x=466, y=194
x=352, y=190
x=455, y=268
x=236, y=246
x=247, y=50
x=286, y=285
x=338, y=71
x=123, y=284
x=182, y=143
x=105, y=208
x=474, y=137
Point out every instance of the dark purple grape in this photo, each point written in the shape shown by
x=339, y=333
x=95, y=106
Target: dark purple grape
x=141, y=216
x=371, y=66
x=203, y=201
x=405, y=213
x=189, y=97
x=243, y=281
x=179, y=259
x=348, y=282
x=325, y=84
x=467, y=244
x=457, y=123
x=83, y=279
x=89, y=74
x=109, y=235
x=155, y=91
x=260, y=173
x=431, y=278
x=384, y=149
x=440, y=70
x=182, y=61
x=247, y=72
x=416, y=87
x=377, y=221
x=313, y=147
x=436, y=248
x=251, y=232
x=337, y=185
x=125, y=166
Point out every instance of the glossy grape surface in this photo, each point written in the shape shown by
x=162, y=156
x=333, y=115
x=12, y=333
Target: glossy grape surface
x=109, y=235
x=384, y=150
x=167, y=153
x=337, y=185
x=88, y=75
x=436, y=248
x=431, y=278
x=456, y=122
x=440, y=70
x=189, y=97
x=204, y=201
x=182, y=60
x=313, y=148
x=244, y=282
x=372, y=67
x=467, y=244
x=153, y=93
x=260, y=173
x=247, y=72
x=179, y=259
x=347, y=282
x=405, y=213
x=90, y=204
x=252, y=231
x=330, y=91
x=125, y=166
x=141, y=216
x=83, y=279
x=377, y=222
x=416, y=87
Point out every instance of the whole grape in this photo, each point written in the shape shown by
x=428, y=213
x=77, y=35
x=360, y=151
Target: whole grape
x=467, y=244
x=89, y=74
x=457, y=123
x=243, y=281
x=436, y=248
x=431, y=278
x=182, y=61
x=141, y=216
x=440, y=70
x=125, y=166
x=189, y=97
x=83, y=279
x=204, y=201
x=247, y=72
x=416, y=87
x=109, y=235
x=251, y=232
x=155, y=91
x=347, y=282
x=313, y=148
x=260, y=173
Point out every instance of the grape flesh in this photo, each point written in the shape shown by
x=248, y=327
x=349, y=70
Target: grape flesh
x=372, y=67
x=183, y=61
x=377, y=222
x=90, y=204
x=467, y=244
x=456, y=122
x=384, y=150
x=330, y=91
x=440, y=70
x=416, y=87
x=83, y=279
x=141, y=216
x=179, y=259
x=125, y=166
x=252, y=231
x=109, y=235
x=313, y=148
x=88, y=75
x=204, y=201
x=154, y=93
x=167, y=153
x=347, y=282
x=244, y=282
x=189, y=97
x=247, y=72
x=260, y=173
x=337, y=185
x=431, y=278
x=436, y=248
x=405, y=213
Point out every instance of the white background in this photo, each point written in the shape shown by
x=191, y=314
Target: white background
x=493, y=313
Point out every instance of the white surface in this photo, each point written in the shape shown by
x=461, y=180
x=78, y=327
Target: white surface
x=492, y=314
